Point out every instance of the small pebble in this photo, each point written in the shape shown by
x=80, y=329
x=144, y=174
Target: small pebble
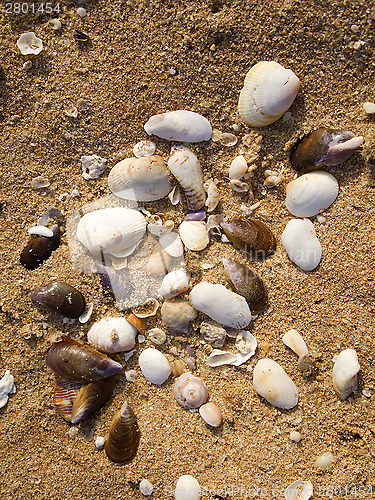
x=324, y=461
x=295, y=436
x=369, y=107
x=321, y=219
x=354, y=28
x=27, y=65
x=40, y=182
x=366, y=393
x=236, y=127
x=55, y=24
x=141, y=339
x=131, y=375
x=287, y=116
x=99, y=442
x=81, y=12
x=146, y=488
x=172, y=71
x=73, y=432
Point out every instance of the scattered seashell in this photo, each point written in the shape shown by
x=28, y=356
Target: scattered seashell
x=41, y=231
x=140, y=179
x=7, y=386
x=219, y=358
x=250, y=235
x=177, y=367
x=92, y=166
x=117, y=283
x=144, y=148
x=131, y=375
x=239, y=186
x=197, y=215
x=174, y=283
x=60, y=297
x=64, y=395
x=123, y=436
x=220, y=304
x=187, y=488
x=345, y=373
x=211, y=414
x=246, y=343
x=146, y=488
x=99, y=443
x=213, y=333
x=238, y=167
x=40, y=182
x=324, y=460
x=295, y=436
x=301, y=244
x=307, y=195
x=55, y=24
x=194, y=235
x=40, y=248
x=272, y=181
x=157, y=336
x=80, y=36
x=172, y=244
x=112, y=335
x=71, y=111
x=175, y=196
x=81, y=12
x=369, y=107
x=177, y=314
x=29, y=43
x=299, y=490
x=227, y=139
x=216, y=134
x=86, y=315
x=50, y=215
x=268, y=92
x=180, y=125
x=294, y=341
x=272, y=383
x=149, y=308
x=213, y=195
x=138, y=323
x=159, y=262
x=154, y=366
x=190, y=391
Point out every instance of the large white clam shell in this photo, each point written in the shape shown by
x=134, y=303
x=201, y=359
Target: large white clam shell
x=187, y=488
x=345, y=373
x=193, y=234
x=180, y=125
x=268, y=92
x=116, y=231
x=221, y=305
x=140, y=179
x=272, y=383
x=114, y=334
x=154, y=366
x=310, y=193
x=301, y=244
x=174, y=283
x=299, y=490
x=190, y=391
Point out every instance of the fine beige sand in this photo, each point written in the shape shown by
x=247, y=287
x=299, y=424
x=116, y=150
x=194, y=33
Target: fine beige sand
x=124, y=73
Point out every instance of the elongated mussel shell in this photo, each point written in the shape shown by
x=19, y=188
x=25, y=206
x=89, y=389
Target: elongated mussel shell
x=250, y=235
x=60, y=297
x=124, y=435
x=39, y=249
x=72, y=360
x=248, y=284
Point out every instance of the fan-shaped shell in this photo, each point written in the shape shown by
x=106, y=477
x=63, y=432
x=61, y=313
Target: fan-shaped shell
x=268, y=92
x=140, y=179
x=194, y=234
x=345, y=373
x=190, y=391
x=112, y=335
x=307, y=195
x=180, y=125
x=301, y=244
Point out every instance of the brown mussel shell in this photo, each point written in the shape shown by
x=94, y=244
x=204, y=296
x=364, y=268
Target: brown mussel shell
x=124, y=435
x=75, y=361
x=39, y=249
x=60, y=297
x=250, y=235
x=248, y=284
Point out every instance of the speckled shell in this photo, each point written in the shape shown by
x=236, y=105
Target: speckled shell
x=301, y=244
x=194, y=234
x=250, y=235
x=190, y=391
x=180, y=125
x=61, y=298
x=123, y=436
x=114, y=334
x=177, y=314
x=268, y=92
x=345, y=373
x=140, y=179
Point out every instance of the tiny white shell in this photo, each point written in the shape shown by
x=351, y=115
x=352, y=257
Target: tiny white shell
x=239, y=186
x=345, y=373
x=174, y=283
x=144, y=148
x=172, y=244
x=295, y=436
x=213, y=195
x=7, y=387
x=113, y=334
x=299, y=490
x=180, y=125
x=93, y=166
x=41, y=231
x=187, y=488
x=157, y=336
x=238, y=167
x=369, y=107
x=146, y=488
x=86, y=315
x=301, y=244
x=29, y=43
x=324, y=460
x=190, y=391
x=211, y=414
x=246, y=343
x=194, y=234
x=154, y=366
x=294, y=341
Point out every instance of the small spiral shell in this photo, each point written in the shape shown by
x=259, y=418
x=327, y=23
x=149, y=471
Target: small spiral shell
x=124, y=435
x=190, y=391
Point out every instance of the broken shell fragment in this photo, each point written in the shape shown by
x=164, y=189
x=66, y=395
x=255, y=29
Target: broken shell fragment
x=123, y=436
x=194, y=234
x=301, y=244
x=294, y=341
x=250, y=235
x=172, y=244
x=157, y=336
x=345, y=373
x=213, y=333
x=29, y=43
x=246, y=343
x=211, y=414
x=190, y=391
x=113, y=334
x=239, y=186
x=177, y=315
x=60, y=297
x=180, y=125
x=187, y=488
x=7, y=386
x=213, y=195
x=149, y=308
x=174, y=283
x=40, y=248
x=369, y=107
x=92, y=166
x=154, y=366
x=144, y=148
x=219, y=358
x=299, y=490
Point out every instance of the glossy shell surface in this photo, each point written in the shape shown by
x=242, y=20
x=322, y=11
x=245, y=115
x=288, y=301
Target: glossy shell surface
x=40, y=248
x=180, y=125
x=301, y=244
x=345, y=373
x=251, y=235
x=154, y=366
x=123, y=436
x=190, y=391
x=60, y=297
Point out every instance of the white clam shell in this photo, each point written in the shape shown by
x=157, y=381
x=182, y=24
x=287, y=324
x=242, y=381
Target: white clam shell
x=41, y=231
x=187, y=488
x=194, y=235
x=186, y=168
x=190, y=391
x=246, y=343
x=294, y=341
x=221, y=305
x=140, y=179
x=299, y=490
x=345, y=373
x=174, y=283
x=324, y=460
x=29, y=43
x=113, y=334
x=211, y=414
x=310, y=193
x=7, y=387
x=272, y=383
x=154, y=366
x=116, y=231
x=180, y=125
x=238, y=167
x=301, y=244
x=144, y=148
x=219, y=358
x=172, y=244
x=268, y=92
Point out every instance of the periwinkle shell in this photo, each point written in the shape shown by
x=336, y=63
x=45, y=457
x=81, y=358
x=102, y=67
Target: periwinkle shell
x=39, y=249
x=124, y=435
x=60, y=297
x=250, y=235
x=72, y=360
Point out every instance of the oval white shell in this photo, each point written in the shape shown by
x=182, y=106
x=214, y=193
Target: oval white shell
x=194, y=234
x=186, y=168
x=324, y=460
x=221, y=305
x=238, y=167
x=268, y=92
x=294, y=341
x=299, y=490
x=41, y=231
x=190, y=391
x=112, y=335
x=140, y=179
x=187, y=488
x=310, y=193
x=174, y=283
x=301, y=244
x=211, y=414
x=157, y=336
x=144, y=148
x=172, y=244
x=345, y=373
x=116, y=231
x=7, y=386
x=219, y=358
x=180, y=125
x=154, y=366
x=272, y=383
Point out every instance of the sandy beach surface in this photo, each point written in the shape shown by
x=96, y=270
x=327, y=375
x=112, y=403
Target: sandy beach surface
x=149, y=57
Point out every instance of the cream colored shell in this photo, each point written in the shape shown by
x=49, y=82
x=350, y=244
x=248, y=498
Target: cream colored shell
x=114, y=334
x=194, y=235
x=174, y=283
x=190, y=391
x=345, y=373
x=187, y=488
x=180, y=125
x=301, y=244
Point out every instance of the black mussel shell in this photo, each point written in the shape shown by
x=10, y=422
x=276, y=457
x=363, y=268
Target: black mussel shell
x=75, y=361
x=80, y=36
x=60, y=297
x=39, y=249
x=124, y=435
x=250, y=235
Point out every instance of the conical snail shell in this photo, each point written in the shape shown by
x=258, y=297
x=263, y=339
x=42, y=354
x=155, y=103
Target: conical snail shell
x=345, y=373
x=250, y=235
x=180, y=125
x=124, y=435
x=190, y=391
x=60, y=297
x=39, y=249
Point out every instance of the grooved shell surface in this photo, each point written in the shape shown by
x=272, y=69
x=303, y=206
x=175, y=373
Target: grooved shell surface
x=180, y=125
x=112, y=335
x=190, y=391
x=123, y=436
x=301, y=244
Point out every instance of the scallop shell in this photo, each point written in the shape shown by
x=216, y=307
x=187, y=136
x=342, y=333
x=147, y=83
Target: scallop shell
x=211, y=414
x=140, y=179
x=307, y=195
x=194, y=234
x=174, y=283
x=112, y=335
x=187, y=488
x=154, y=366
x=220, y=304
x=299, y=490
x=186, y=168
x=345, y=373
x=301, y=244
x=272, y=383
x=116, y=231
x=190, y=391
x=123, y=436
x=268, y=92
x=180, y=125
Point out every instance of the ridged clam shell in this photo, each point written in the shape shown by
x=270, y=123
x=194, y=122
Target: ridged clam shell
x=194, y=235
x=112, y=335
x=123, y=436
x=154, y=366
x=268, y=92
x=174, y=283
x=345, y=373
x=180, y=125
x=307, y=195
x=272, y=383
x=116, y=231
x=186, y=168
x=301, y=244
x=140, y=179
x=190, y=391
x=220, y=304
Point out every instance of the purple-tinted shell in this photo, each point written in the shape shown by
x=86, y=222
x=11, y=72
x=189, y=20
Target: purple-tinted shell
x=196, y=215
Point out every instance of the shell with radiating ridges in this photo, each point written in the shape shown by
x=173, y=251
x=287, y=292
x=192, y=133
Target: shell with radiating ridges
x=194, y=235
x=190, y=391
x=174, y=283
x=113, y=334
x=301, y=244
x=268, y=92
x=123, y=436
x=345, y=373
x=180, y=125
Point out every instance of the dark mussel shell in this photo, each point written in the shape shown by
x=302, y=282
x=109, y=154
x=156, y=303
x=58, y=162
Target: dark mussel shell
x=75, y=361
x=60, y=297
x=39, y=249
x=124, y=435
x=250, y=235
x=248, y=284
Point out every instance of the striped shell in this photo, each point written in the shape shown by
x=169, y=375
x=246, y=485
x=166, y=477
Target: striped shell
x=180, y=125
x=124, y=435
